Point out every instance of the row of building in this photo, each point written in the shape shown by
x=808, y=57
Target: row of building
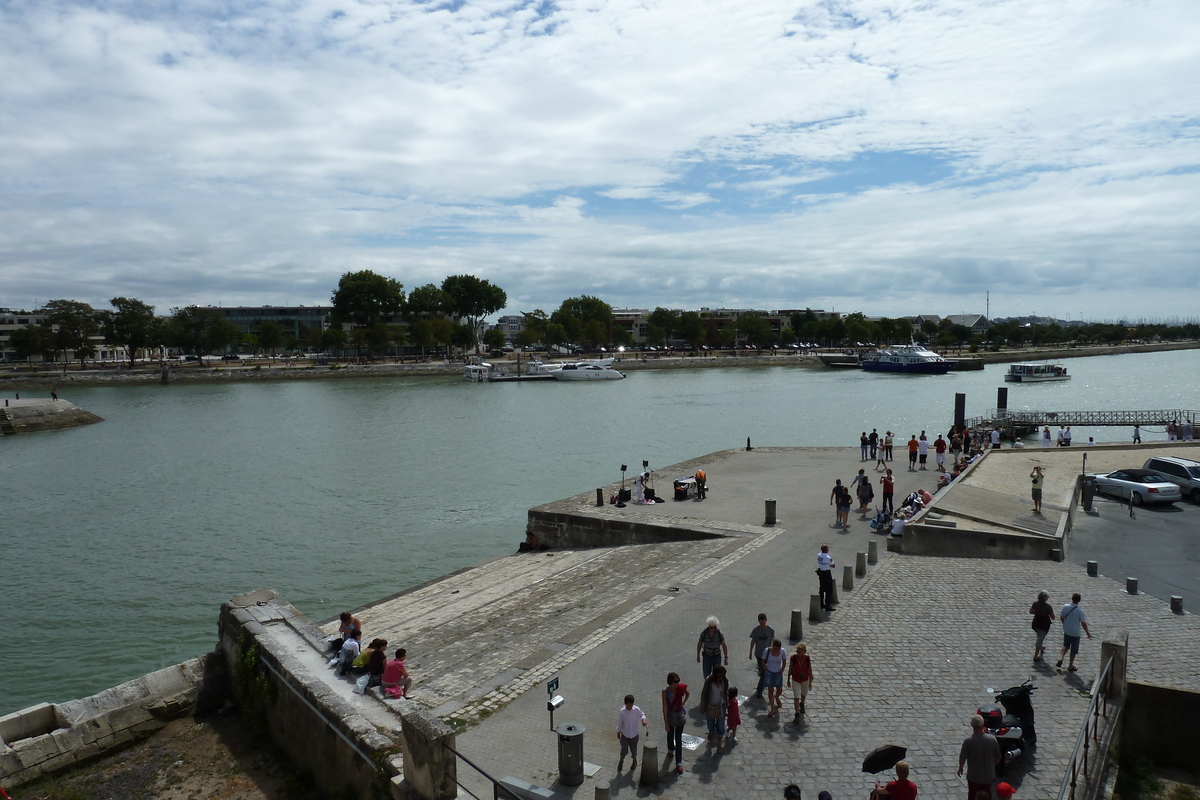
x=297, y=320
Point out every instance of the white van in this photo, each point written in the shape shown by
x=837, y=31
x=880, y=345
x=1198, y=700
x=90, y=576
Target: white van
x=1181, y=471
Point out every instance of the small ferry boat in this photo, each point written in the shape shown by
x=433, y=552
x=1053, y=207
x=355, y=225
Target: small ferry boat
x=910, y=359
x=482, y=372
x=1036, y=373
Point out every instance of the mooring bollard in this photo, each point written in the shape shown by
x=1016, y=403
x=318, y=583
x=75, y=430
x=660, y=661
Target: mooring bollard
x=599, y=497
x=1093, y=569
x=847, y=577
x=860, y=564
x=833, y=592
x=1131, y=585
x=649, y=771
x=1056, y=554
x=748, y=447
x=1176, y=604
x=872, y=552
x=770, y=503
x=603, y=792
x=797, y=631
x=815, y=614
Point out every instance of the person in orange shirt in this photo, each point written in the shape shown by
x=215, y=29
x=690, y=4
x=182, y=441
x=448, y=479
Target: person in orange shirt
x=913, y=446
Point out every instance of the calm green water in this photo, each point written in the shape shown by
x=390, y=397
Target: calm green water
x=121, y=540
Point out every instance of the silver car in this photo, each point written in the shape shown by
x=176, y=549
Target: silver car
x=1138, y=486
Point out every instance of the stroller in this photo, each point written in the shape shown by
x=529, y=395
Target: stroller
x=882, y=521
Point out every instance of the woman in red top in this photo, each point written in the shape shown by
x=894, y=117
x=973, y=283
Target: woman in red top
x=799, y=678
x=675, y=717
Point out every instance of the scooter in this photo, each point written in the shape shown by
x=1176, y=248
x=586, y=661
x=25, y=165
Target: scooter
x=1012, y=726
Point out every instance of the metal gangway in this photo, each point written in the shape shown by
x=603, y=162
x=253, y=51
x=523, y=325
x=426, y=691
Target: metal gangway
x=1006, y=418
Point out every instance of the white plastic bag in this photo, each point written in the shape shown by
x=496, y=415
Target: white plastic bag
x=360, y=686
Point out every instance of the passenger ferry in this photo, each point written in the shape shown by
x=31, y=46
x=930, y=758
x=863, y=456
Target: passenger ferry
x=911, y=359
x=1036, y=373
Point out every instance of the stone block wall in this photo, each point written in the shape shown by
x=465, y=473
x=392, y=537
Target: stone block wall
x=46, y=738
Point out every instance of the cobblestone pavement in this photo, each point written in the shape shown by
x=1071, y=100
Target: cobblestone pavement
x=907, y=657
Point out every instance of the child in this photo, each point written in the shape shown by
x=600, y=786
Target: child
x=734, y=715
x=630, y=721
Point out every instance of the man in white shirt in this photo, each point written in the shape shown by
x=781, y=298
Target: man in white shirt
x=825, y=567
x=630, y=721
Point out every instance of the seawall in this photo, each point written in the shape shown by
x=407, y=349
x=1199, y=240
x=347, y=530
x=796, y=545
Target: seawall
x=42, y=414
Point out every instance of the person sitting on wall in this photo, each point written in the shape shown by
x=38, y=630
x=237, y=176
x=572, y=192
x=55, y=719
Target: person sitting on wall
x=532, y=544
x=376, y=661
x=396, y=680
x=351, y=649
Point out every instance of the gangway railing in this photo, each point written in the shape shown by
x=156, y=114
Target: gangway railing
x=1029, y=418
x=499, y=792
x=1082, y=760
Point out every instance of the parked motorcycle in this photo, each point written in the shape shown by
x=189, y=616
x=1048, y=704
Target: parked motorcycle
x=1013, y=725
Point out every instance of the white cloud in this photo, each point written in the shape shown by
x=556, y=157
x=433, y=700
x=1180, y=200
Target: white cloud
x=217, y=151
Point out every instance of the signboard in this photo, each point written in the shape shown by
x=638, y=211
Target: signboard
x=552, y=686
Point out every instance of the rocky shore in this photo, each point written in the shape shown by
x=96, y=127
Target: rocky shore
x=24, y=378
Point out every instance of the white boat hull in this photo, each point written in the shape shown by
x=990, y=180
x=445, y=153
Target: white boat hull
x=1035, y=378
x=588, y=374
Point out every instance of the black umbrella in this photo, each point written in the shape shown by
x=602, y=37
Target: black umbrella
x=882, y=758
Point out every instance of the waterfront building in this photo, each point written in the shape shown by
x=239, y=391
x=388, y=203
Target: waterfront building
x=295, y=320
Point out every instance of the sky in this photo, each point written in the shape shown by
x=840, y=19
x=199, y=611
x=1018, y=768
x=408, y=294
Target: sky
x=885, y=156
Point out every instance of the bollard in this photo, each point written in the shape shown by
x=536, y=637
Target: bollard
x=603, y=792
x=872, y=552
x=815, y=614
x=770, y=503
x=860, y=564
x=847, y=577
x=1056, y=554
x=1131, y=585
x=833, y=594
x=1093, y=569
x=648, y=775
x=1176, y=604
x=599, y=497
x=797, y=631
x=748, y=447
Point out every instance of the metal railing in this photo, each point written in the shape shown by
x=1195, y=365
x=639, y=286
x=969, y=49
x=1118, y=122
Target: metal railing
x=1014, y=417
x=498, y=791
x=1082, y=760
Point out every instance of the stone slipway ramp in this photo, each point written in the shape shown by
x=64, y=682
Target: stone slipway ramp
x=503, y=623
x=33, y=416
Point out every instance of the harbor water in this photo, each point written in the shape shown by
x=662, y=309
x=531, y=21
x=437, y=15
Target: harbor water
x=121, y=540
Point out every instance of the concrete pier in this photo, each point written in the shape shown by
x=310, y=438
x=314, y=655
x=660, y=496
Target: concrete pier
x=33, y=415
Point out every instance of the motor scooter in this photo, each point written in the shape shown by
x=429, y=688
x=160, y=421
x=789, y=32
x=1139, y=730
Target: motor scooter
x=1013, y=725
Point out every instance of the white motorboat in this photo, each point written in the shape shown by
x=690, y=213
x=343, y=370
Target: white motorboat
x=586, y=371
x=482, y=372
x=1036, y=373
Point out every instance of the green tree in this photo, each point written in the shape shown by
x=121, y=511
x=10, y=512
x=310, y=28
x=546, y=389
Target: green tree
x=754, y=330
x=270, y=336
x=691, y=328
x=201, y=330
x=575, y=312
x=495, y=339
x=398, y=337
x=311, y=338
x=463, y=337
x=621, y=337
x=421, y=333
x=365, y=297
x=594, y=333
x=666, y=320
x=474, y=298
x=376, y=337
x=443, y=332
x=33, y=340
x=75, y=323
x=787, y=336
x=535, y=322
x=291, y=344
x=526, y=339
x=428, y=301
x=728, y=334
x=334, y=339
x=556, y=334
x=133, y=325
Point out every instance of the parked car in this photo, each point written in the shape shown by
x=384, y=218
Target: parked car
x=1138, y=486
x=1182, y=472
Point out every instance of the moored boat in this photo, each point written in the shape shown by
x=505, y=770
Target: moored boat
x=586, y=371
x=1036, y=372
x=910, y=359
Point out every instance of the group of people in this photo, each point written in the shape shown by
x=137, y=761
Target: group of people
x=349, y=657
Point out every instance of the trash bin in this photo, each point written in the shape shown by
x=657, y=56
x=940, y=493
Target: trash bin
x=570, y=753
x=1089, y=491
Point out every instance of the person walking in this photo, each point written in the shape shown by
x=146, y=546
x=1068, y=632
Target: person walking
x=1074, y=622
x=710, y=646
x=839, y=498
x=760, y=639
x=889, y=440
x=939, y=452
x=1046, y=436
x=980, y=753
x=674, y=706
x=714, y=699
x=774, y=665
x=866, y=493
x=889, y=491
x=1043, y=616
x=733, y=714
x=1039, y=479
x=1137, y=434
x=913, y=447
x=799, y=678
x=825, y=567
x=630, y=721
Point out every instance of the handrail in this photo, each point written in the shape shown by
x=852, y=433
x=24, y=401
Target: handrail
x=1090, y=732
x=499, y=792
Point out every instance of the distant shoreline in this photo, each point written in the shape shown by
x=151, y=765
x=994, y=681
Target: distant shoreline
x=278, y=371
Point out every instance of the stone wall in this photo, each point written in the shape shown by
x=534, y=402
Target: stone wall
x=933, y=540
x=47, y=738
x=265, y=641
x=47, y=415
x=1158, y=723
x=566, y=529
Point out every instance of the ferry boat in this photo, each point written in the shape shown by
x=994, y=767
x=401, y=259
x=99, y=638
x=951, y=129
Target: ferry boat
x=1036, y=373
x=482, y=372
x=911, y=359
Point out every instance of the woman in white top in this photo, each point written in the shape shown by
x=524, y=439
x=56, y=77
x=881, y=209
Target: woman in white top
x=774, y=663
